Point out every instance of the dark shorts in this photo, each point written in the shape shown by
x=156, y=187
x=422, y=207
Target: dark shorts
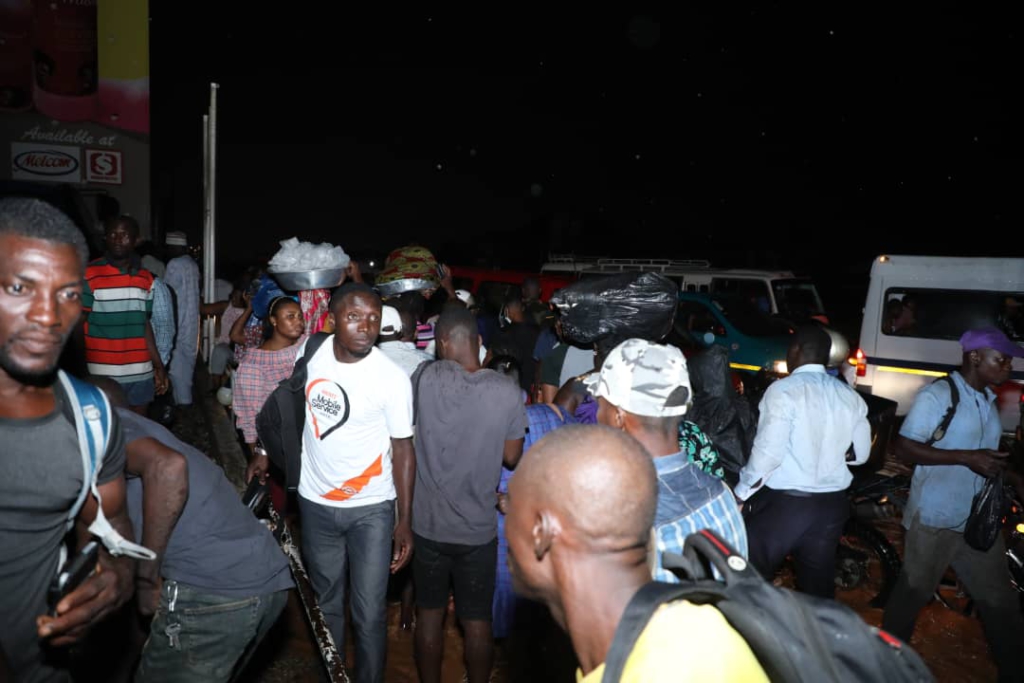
x=139, y=393
x=468, y=569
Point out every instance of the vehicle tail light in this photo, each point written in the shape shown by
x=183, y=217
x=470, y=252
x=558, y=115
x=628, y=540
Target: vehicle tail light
x=858, y=359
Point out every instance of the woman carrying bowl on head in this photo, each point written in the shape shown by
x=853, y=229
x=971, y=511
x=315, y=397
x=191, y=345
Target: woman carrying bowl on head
x=263, y=368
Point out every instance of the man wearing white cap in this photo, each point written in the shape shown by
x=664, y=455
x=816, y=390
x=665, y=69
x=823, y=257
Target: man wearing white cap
x=396, y=344
x=643, y=388
x=183, y=277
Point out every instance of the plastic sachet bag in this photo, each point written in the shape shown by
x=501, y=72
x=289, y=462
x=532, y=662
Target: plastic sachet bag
x=295, y=256
x=641, y=305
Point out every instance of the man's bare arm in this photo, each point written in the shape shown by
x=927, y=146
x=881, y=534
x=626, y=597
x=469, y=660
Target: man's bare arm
x=164, y=475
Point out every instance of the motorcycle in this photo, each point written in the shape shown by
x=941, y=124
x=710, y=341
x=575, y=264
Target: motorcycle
x=862, y=546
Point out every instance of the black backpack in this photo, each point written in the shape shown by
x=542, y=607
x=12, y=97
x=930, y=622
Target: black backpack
x=954, y=401
x=795, y=637
x=280, y=421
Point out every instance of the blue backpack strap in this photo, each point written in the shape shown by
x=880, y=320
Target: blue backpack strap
x=93, y=424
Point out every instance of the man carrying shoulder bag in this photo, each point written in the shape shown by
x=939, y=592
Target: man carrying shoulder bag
x=952, y=465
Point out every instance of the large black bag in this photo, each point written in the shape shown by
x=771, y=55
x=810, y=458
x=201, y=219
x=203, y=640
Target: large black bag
x=795, y=637
x=280, y=421
x=987, y=509
x=723, y=415
x=622, y=306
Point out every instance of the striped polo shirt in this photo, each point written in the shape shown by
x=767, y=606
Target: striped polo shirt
x=117, y=303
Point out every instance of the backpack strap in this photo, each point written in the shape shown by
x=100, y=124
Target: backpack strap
x=642, y=606
x=313, y=345
x=954, y=401
x=93, y=422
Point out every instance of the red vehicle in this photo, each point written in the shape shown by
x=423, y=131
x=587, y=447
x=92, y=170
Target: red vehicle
x=492, y=286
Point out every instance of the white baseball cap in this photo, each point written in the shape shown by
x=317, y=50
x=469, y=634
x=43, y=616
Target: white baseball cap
x=644, y=378
x=465, y=297
x=390, y=320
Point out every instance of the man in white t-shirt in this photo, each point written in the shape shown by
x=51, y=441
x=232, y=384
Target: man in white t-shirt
x=357, y=454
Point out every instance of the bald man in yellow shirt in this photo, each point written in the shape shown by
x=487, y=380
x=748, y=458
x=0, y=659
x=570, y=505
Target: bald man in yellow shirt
x=580, y=510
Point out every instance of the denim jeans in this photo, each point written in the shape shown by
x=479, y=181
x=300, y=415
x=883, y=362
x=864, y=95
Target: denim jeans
x=214, y=635
x=356, y=541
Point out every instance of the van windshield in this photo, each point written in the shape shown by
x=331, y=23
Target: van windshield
x=948, y=313
x=797, y=299
x=748, y=319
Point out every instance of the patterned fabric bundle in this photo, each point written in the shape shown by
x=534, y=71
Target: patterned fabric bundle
x=315, y=305
x=408, y=269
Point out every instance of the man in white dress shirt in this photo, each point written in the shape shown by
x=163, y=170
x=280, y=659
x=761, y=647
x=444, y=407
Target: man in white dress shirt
x=812, y=427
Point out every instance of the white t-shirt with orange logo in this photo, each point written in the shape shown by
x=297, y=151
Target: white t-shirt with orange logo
x=353, y=410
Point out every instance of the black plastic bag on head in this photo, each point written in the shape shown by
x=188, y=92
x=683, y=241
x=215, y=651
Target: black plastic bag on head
x=640, y=305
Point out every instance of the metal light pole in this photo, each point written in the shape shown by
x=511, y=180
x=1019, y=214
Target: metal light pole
x=210, y=220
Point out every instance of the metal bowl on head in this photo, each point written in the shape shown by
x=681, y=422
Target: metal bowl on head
x=325, y=278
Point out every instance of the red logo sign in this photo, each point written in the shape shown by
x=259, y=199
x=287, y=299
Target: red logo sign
x=46, y=162
x=102, y=166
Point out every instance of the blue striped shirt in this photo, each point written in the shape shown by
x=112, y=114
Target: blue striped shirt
x=690, y=500
x=162, y=320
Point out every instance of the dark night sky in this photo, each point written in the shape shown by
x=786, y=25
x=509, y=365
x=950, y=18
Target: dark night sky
x=767, y=136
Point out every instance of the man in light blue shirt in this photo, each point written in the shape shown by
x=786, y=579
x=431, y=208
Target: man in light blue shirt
x=643, y=388
x=799, y=466
x=951, y=466
x=163, y=320
x=183, y=277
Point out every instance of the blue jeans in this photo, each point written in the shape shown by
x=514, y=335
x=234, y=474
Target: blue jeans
x=139, y=393
x=215, y=634
x=356, y=540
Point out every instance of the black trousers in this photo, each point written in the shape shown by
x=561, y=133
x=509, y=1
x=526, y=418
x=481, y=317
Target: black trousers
x=804, y=525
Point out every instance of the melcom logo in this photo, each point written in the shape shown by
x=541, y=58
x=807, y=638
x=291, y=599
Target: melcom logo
x=102, y=166
x=48, y=162
x=45, y=162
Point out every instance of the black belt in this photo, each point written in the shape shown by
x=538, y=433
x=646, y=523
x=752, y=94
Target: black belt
x=806, y=494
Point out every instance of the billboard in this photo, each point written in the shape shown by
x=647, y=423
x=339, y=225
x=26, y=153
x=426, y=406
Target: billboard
x=74, y=100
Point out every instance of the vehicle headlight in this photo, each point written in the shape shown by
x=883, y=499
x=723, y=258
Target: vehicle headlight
x=780, y=367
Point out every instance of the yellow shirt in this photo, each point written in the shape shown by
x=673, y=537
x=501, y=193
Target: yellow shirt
x=687, y=642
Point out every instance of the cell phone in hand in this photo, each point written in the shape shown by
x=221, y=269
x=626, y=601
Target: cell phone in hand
x=255, y=495
x=81, y=567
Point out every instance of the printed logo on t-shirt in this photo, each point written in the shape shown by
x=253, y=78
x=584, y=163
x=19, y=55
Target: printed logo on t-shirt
x=328, y=405
x=357, y=484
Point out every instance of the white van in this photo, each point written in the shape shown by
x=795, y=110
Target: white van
x=918, y=306
x=777, y=292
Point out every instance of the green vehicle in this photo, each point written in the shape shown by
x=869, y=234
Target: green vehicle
x=756, y=342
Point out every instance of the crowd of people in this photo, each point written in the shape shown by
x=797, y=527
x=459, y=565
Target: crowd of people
x=478, y=464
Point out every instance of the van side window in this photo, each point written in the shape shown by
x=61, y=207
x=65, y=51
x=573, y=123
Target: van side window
x=947, y=313
x=754, y=292
x=694, y=319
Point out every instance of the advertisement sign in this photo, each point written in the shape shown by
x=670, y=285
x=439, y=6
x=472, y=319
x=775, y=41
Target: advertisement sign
x=74, y=102
x=102, y=166
x=45, y=163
